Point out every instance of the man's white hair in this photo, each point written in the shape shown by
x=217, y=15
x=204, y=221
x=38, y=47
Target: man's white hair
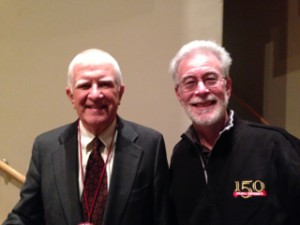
x=200, y=45
x=90, y=57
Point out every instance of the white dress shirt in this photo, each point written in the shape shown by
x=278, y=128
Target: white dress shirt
x=85, y=145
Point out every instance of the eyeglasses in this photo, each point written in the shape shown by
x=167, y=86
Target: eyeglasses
x=190, y=83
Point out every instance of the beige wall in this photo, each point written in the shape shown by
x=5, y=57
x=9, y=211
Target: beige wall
x=39, y=38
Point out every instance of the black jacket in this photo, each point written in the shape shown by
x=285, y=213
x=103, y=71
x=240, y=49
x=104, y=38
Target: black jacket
x=253, y=178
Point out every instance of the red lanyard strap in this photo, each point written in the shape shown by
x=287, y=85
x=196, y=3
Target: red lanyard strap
x=90, y=210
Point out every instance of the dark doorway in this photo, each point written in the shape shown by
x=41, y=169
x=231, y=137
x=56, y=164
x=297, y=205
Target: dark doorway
x=248, y=26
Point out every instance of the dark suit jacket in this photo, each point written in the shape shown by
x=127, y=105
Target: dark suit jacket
x=138, y=193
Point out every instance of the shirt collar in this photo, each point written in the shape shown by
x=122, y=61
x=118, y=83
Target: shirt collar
x=229, y=123
x=191, y=133
x=105, y=137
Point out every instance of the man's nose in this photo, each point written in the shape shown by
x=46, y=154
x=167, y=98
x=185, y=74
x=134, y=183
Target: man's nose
x=201, y=87
x=95, y=91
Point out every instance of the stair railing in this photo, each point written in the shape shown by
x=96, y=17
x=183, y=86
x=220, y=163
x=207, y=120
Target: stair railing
x=11, y=172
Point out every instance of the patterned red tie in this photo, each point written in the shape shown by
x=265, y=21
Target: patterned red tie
x=94, y=168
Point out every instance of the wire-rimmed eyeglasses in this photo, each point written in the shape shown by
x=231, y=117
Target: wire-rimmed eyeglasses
x=190, y=83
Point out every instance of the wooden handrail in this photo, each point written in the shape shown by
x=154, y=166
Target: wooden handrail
x=12, y=172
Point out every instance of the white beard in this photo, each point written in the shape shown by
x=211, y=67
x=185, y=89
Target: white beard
x=208, y=117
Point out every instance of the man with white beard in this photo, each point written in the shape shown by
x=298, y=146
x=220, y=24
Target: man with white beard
x=227, y=171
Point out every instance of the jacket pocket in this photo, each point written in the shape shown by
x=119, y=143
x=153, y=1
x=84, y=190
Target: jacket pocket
x=139, y=194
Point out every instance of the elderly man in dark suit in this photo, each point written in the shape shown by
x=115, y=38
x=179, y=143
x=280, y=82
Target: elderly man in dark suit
x=128, y=166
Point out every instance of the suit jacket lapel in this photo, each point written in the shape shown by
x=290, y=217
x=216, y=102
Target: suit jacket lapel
x=65, y=161
x=126, y=162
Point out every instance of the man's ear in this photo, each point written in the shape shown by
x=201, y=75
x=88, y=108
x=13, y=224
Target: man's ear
x=177, y=92
x=121, y=92
x=69, y=93
x=228, y=85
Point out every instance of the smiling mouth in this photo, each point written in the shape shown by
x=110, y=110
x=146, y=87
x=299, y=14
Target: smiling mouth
x=97, y=107
x=203, y=104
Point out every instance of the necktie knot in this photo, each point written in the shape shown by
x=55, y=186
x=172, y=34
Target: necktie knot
x=97, y=144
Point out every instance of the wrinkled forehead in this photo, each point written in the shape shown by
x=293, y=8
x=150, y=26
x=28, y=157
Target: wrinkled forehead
x=198, y=60
x=100, y=72
x=96, y=68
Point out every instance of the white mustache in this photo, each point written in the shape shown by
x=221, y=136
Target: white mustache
x=202, y=101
